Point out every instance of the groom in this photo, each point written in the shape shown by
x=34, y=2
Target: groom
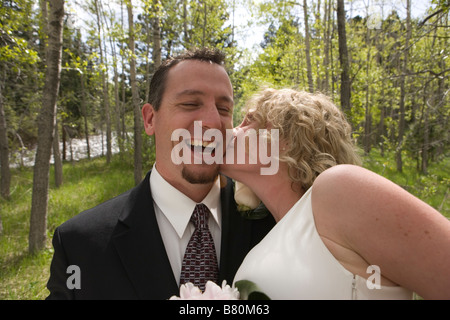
x=132, y=246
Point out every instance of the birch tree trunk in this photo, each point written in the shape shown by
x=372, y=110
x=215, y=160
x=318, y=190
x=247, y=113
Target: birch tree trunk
x=46, y=125
x=85, y=115
x=186, y=38
x=104, y=85
x=401, y=124
x=156, y=35
x=135, y=98
x=56, y=151
x=307, y=48
x=57, y=157
x=325, y=87
x=205, y=22
x=343, y=58
x=5, y=178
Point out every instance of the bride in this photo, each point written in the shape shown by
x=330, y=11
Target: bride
x=342, y=232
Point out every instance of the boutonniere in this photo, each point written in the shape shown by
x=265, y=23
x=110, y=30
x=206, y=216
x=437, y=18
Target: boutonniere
x=248, y=203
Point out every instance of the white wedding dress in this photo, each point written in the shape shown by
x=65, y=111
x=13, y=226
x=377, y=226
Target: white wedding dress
x=292, y=262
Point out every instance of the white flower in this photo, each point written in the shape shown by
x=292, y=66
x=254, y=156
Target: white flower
x=245, y=197
x=212, y=292
x=188, y=292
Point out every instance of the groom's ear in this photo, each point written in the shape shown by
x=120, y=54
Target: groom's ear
x=148, y=116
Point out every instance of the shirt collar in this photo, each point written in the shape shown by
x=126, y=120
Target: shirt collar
x=177, y=207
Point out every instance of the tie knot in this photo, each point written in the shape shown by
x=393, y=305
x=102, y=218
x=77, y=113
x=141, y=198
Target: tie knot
x=200, y=216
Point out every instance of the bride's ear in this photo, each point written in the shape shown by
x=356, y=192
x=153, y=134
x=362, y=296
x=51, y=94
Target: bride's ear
x=148, y=116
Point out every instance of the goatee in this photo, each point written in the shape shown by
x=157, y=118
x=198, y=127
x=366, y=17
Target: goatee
x=196, y=178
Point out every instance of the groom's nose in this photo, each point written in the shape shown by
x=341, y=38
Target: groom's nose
x=210, y=117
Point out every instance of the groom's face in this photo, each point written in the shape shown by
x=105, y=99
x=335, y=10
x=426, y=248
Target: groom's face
x=194, y=91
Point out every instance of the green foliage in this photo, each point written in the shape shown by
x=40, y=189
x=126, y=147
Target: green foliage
x=377, y=55
x=432, y=188
x=20, y=78
x=86, y=184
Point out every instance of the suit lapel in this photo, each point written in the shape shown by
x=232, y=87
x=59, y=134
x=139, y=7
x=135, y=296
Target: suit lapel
x=236, y=235
x=140, y=247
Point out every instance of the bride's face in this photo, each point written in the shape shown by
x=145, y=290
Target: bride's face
x=250, y=153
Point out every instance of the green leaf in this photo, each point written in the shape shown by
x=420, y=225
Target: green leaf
x=248, y=290
x=259, y=212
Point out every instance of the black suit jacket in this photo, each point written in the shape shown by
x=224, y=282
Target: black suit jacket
x=120, y=253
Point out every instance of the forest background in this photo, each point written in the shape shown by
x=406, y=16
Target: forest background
x=78, y=69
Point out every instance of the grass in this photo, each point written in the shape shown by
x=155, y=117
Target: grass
x=88, y=183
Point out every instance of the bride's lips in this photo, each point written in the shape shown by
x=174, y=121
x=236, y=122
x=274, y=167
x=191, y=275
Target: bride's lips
x=231, y=141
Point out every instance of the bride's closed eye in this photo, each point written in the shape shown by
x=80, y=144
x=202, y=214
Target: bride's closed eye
x=249, y=118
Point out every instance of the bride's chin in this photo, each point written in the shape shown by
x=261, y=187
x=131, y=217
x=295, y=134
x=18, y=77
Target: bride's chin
x=232, y=171
x=226, y=169
x=240, y=173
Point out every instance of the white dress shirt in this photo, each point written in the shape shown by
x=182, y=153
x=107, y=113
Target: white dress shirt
x=173, y=211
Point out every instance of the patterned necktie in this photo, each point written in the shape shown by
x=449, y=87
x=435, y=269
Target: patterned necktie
x=200, y=260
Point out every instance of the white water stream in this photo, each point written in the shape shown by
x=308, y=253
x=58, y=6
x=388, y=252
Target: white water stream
x=76, y=149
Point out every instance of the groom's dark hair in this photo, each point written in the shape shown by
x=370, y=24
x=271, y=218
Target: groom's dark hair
x=158, y=81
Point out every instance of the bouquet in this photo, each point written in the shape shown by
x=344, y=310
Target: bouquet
x=212, y=292
x=243, y=290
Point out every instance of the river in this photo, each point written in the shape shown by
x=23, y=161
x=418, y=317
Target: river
x=76, y=149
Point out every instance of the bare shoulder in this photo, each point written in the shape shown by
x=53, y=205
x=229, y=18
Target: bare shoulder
x=357, y=184
x=348, y=176
x=361, y=194
x=384, y=225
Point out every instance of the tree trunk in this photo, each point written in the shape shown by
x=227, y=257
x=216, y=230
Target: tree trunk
x=401, y=124
x=5, y=177
x=325, y=87
x=56, y=151
x=368, y=112
x=343, y=58
x=186, y=38
x=426, y=141
x=381, y=127
x=156, y=36
x=46, y=125
x=57, y=157
x=149, y=44
x=135, y=98
x=153, y=31
x=124, y=138
x=105, y=88
x=205, y=22
x=156, y=51
x=116, y=95
x=85, y=115
x=367, y=123
x=117, y=104
x=307, y=48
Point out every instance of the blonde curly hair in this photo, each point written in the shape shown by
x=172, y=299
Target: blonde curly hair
x=317, y=134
